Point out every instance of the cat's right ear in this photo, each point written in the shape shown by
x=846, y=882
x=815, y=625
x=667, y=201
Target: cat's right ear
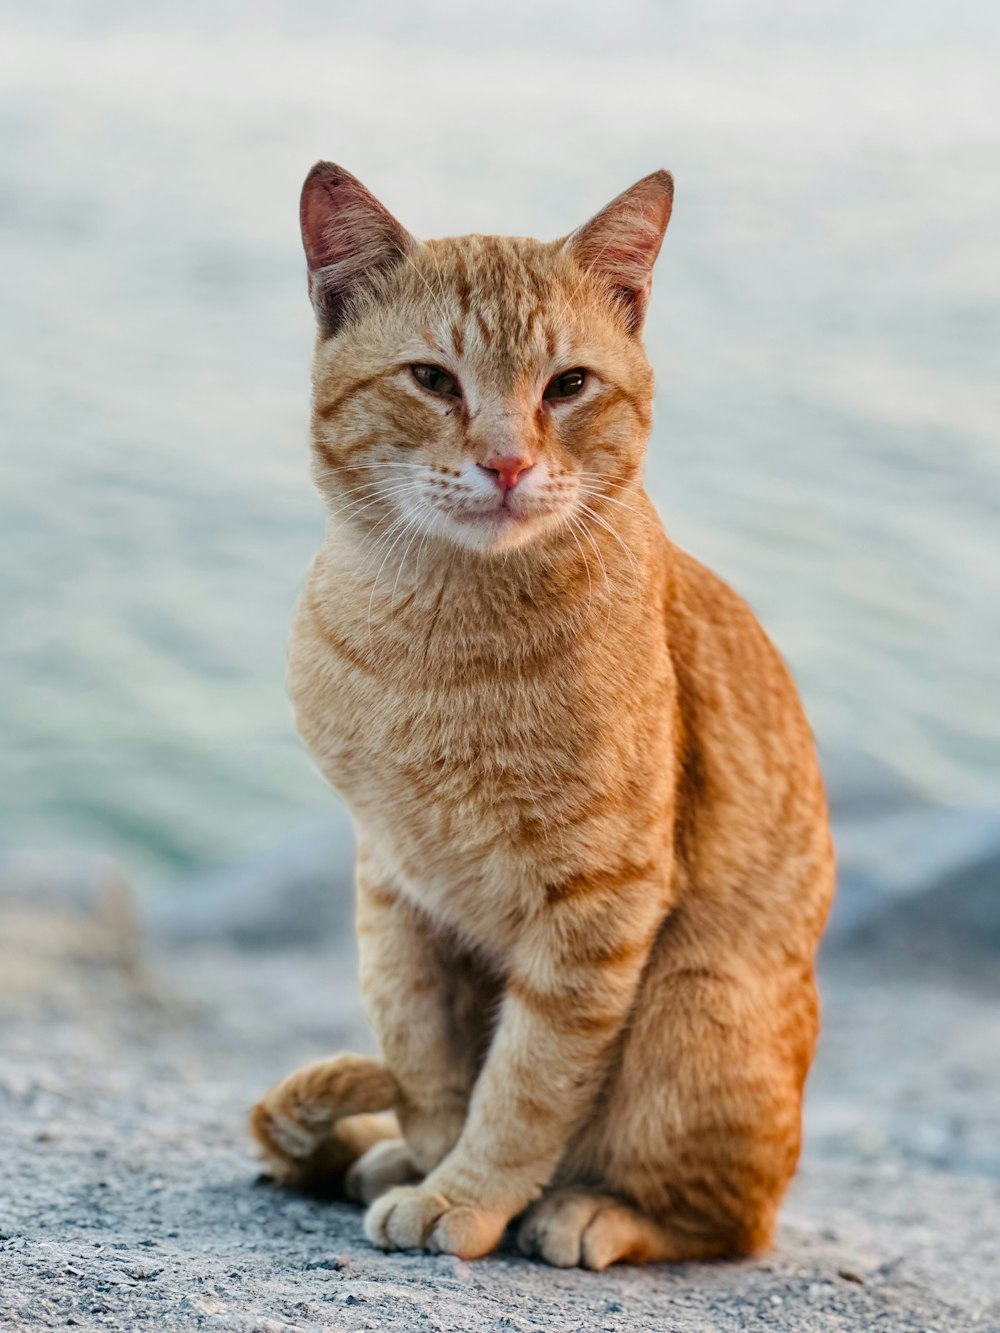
x=349, y=239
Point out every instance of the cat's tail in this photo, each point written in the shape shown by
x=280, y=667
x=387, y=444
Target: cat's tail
x=319, y=1120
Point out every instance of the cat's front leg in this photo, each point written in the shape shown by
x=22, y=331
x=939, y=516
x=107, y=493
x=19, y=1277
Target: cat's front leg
x=408, y=995
x=570, y=986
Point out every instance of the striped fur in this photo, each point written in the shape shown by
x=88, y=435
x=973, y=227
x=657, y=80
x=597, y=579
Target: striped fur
x=594, y=860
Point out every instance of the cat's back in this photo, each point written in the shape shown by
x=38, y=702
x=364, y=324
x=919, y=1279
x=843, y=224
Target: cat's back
x=752, y=823
x=728, y=669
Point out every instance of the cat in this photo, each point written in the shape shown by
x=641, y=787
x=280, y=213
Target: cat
x=594, y=859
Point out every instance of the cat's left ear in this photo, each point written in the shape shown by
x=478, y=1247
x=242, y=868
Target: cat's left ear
x=621, y=243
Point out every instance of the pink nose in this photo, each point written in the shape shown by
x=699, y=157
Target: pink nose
x=506, y=471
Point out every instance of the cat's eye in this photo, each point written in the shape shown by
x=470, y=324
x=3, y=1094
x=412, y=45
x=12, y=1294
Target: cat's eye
x=566, y=385
x=437, y=381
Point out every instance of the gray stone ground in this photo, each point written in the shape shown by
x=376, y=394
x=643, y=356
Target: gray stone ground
x=130, y=1198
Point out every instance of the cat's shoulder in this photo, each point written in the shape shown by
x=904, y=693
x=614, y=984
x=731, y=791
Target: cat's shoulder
x=718, y=645
x=698, y=597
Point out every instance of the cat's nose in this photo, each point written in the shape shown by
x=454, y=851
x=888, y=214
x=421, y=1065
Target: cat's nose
x=507, y=470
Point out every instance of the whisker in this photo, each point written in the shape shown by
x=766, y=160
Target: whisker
x=403, y=468
x=380, y=486
x=436, y=610
x=379, y=538
x=390, y=524
x=607, y=581
x=407, y=523
x=353, y=508
x=437, y=270
x=600, y=495
x=428, y=527
x=591, y=263
x=607, y=526
x=586, y=565
x=329, y=469
x=613, y=477
x=402, y=564
x=442, y=314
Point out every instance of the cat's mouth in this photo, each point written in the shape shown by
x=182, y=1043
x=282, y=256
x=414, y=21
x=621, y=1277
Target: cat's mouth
x=496, y=517
x=497, y=526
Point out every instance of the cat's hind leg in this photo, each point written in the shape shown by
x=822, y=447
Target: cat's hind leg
x=696, y=1134
x=322, y=1119
x=576, y=1227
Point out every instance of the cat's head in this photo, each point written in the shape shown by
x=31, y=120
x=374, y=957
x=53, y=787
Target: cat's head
x=487, y=390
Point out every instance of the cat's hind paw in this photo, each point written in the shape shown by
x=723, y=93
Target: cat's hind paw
x=580, y=1228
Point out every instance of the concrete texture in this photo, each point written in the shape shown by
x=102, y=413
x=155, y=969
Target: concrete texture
x=130, y=1198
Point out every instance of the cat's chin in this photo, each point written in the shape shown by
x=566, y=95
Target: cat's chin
x=497, y=531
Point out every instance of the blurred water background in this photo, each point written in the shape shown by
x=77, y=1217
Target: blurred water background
x=825, y=328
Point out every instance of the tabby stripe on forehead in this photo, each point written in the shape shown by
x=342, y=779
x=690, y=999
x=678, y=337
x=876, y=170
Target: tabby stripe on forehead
x=462, y=287
x=531, y=319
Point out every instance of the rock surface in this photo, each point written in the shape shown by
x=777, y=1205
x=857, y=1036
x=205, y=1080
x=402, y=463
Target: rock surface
x=130, y=1198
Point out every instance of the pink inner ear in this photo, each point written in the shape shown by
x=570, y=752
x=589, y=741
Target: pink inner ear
x=347, y=235
x=622, y=242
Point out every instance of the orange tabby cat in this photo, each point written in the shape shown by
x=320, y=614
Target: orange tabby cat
x=594, y=859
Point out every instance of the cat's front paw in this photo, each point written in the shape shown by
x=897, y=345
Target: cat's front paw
x=414, y=1217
